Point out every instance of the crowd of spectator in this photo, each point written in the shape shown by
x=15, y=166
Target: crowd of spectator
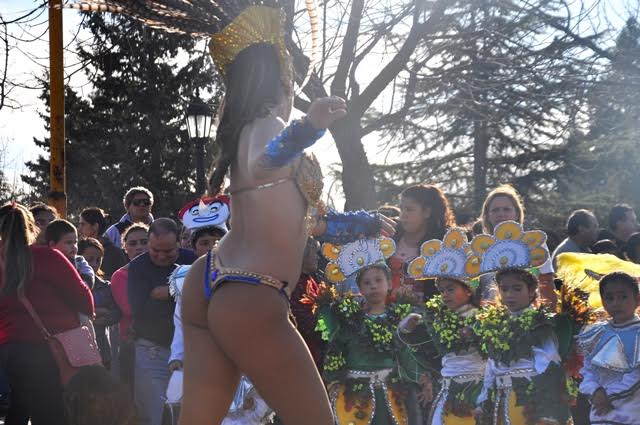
x=118, y=276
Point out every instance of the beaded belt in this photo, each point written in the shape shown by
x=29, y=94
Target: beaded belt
x=460, y=379
x=216, y=275
x=504, y=380
x=375, y=377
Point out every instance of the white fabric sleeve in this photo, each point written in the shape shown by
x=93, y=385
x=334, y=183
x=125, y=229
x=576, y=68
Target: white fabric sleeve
x=177, y=344
x=590, y=380
x=547, y=267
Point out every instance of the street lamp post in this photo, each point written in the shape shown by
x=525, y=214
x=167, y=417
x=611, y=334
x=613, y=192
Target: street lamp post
x=199, y=119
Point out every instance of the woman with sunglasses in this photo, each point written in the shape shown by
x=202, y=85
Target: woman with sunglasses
x=138, y=202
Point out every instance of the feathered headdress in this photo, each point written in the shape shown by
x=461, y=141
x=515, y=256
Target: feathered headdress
x=347, y=260
x=232, y=25
x=446, y=258
x=509, y=246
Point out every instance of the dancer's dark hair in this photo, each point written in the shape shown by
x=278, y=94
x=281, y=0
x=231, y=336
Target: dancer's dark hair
x=253, y=89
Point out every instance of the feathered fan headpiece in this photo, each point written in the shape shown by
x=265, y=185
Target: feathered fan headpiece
x=233, y=25
x=347, y=260
x=446, y=258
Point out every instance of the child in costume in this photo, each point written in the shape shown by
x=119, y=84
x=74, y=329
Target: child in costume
x=524, y=381
x=369, y=373
x=611, y=371
x=206, y=218
x=448, y=321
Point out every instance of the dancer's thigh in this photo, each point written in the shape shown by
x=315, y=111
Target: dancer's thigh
x=252, y=327
x=210, y=378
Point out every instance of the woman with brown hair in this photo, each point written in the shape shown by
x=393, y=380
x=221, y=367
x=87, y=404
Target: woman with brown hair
x=504, y=203
x=424, y=214
x=58, y=295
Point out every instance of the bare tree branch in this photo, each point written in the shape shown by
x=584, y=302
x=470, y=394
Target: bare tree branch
x=339, y=84
x=399, y=61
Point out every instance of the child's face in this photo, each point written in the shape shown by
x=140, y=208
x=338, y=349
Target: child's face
x=93, y=257
x=136, y=243
x=185, y=238
x=204, y=244
x=619, y=301
x=67, y=245
x=374, y=285
x=514, y=293
x=454, y=294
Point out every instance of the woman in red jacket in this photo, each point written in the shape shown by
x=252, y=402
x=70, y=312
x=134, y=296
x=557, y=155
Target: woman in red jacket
x=58, y=295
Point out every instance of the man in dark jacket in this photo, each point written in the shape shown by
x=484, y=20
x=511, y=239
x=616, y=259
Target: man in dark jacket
x=152, y=309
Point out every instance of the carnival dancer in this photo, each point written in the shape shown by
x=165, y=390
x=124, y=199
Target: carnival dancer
x=369, y=374
x=206, y=219
x=237, y=319
x=447, y=323
x=524, y=380
x=611, y=371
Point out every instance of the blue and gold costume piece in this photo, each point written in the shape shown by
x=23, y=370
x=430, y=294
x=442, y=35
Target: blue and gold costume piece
x=216, y=275
x=343, y=228
x=290, y=143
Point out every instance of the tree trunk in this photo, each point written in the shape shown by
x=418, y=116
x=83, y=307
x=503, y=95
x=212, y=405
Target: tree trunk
x=357, y=177
x=480, y=149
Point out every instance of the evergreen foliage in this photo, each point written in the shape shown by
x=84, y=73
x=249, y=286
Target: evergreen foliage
x=129, y=130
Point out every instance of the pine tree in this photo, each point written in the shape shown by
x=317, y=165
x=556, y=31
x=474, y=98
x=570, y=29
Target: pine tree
x=129, y=130
x=606, y=157
x=489, y=101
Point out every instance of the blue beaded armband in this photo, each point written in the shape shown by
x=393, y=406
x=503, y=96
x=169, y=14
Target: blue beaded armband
x=290, y=143
x=343, y=228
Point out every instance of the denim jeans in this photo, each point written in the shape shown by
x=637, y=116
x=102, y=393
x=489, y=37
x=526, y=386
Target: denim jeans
x=151, y=379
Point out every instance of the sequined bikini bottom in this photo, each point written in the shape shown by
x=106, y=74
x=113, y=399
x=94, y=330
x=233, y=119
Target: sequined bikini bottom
x=216, y=275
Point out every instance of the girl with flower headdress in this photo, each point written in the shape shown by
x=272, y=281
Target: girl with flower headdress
x=371, y=377
x=524, y=380
x=447, y=323
x=525, y=383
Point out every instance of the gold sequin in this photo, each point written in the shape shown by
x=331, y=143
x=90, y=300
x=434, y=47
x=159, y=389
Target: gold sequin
x=256, y=24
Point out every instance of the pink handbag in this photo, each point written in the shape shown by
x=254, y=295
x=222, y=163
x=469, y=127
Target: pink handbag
x=71, y=349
